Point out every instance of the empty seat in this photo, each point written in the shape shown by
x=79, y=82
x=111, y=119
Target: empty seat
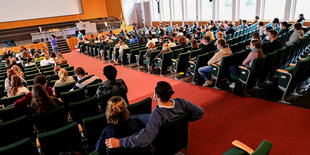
x=63, y=88
x=10, y=100
x=92, y=89
x=73, y=96
x=263, y=149
x=142, y=107
x=63, y=139
x=24, y=146
x=84, y=108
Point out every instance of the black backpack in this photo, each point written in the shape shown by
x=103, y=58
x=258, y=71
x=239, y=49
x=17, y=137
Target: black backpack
x=239, y=89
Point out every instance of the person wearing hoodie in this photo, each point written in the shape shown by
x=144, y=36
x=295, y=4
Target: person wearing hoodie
x=224, y=51
x=298, y=34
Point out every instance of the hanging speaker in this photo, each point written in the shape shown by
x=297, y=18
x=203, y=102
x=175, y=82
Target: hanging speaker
x=210, y=0
x=158, y=6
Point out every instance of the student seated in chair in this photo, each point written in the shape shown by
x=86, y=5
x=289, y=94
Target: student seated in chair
x=120, y=125
x=26, y=100
x=112, y=85
x=273, y=45
x=224, y=51
x=83, y=79
x=42, y=101
x=206, y=45
x=298, y=34
x=166, y=110
x=254, y=54
x=16, y=87
x=63, y=78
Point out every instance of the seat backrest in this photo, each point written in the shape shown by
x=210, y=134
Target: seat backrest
x=73, y=96
x=183, y=62
x=91, y=89
x=263, y=148
x=63, y=88
x=93, y=127
x=50, y=120
x=166, y=58
x=10, y=100
x=24, y=146
x=84, y=108
x=172, y=136
x=202, y=60
x=176, y=53
x=142, y=107
x=64, y=139
x=105, y=97
x=15, y=130
x=10, y=113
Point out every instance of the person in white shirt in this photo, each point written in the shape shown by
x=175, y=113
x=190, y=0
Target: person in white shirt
x=261, y=28
x=121, y=49
x=16, y=87
x=46, y=61
x=149, y=39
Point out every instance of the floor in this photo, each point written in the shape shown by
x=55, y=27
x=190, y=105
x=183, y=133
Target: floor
x=227, y=116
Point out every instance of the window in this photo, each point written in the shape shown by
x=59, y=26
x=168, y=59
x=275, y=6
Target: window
x=247, y=9
x=177, y=10
x=302, y=7
x=225, y=9
x=206, y=10
x=191, y=10
x=274, y=9
x=155, y=14
x=165, y=16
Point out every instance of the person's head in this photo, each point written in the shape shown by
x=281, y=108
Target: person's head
x=182, y=40
x=7, y=62
x=301, y=15
x=56, y=69
x=41, y=101
x=161, y=39
x=194, y=43
x=230, y=25
x=40, y=79
x=121, y=42
x=256, y=44
x=260, y=24
x=276, y=20
x=47, y=57
x=272, y=34
x=297, y=26
x=79, y=72
x=170, y=39
x=17, y=70
x=53, y=55
x=13, y=60
x=268, y=29
x=221, y=44
x=9, y=73
x=151, y=45
x=207, y=39
x=110, y=72
x=244, y=22
x=166, y=46
x=53, y=36
x=256, y=17
x=219, y=35
x=116, y=111
x=149, y=37
x=63, y=74
x=256, y=36
x=16, y=82
x=80, y=32
x=163, y=92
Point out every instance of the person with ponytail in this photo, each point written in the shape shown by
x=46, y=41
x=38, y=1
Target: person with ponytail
x=16, y=86
x=63, y=78
x=112, y=85
x=224, y=51
x=120, y=124
x=166, y=110
x=256, y=52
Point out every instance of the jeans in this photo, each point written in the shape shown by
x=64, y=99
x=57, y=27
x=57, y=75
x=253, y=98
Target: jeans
x=144, y=118
x=203, y=70
x=55, y=49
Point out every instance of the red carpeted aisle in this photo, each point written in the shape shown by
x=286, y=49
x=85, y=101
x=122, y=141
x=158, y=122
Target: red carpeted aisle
x=227, y=117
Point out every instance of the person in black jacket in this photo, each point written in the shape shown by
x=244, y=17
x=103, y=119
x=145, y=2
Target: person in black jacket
x=273, y=45
x=301, y=18
x=231, y=30
x=285, y=28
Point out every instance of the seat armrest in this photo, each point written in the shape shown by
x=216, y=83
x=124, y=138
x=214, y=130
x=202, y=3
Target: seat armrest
x=292, y=64
x=80, y=128
x=158, y=58
x=242, y=67
x=191, y=62
x=301, y=59
x=282, y=71
x=242, y=146
x=214, y=64
x=38, y=143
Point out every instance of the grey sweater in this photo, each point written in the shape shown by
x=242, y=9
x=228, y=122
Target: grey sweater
x=295, y=36
x=159, y=116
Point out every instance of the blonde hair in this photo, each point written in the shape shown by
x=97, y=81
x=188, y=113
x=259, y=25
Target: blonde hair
x=116, y=111
x=17, y=70
x=151, y=45
x=63, y=74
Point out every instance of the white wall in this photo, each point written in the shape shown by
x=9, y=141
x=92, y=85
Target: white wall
x=14, y=10
x=130, y=12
